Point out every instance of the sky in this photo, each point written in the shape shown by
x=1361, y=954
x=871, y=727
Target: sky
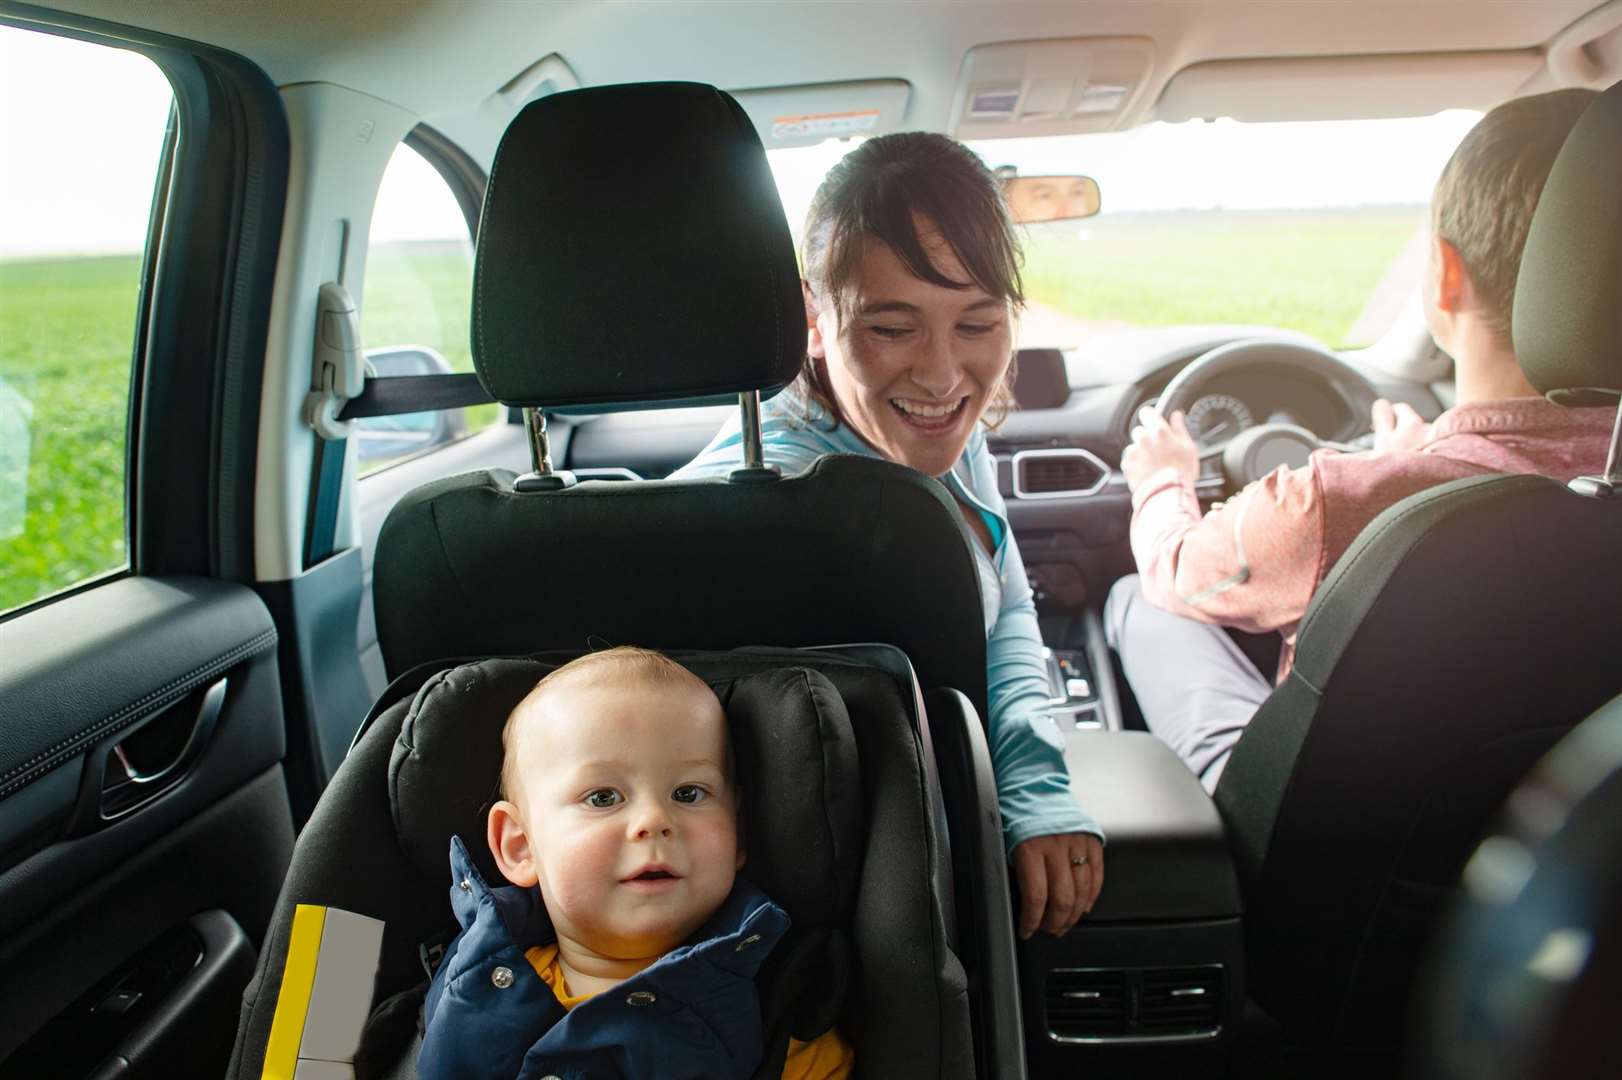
x=81, y=127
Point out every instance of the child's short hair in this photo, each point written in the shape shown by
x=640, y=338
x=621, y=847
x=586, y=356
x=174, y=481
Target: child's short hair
x=1485, y=197
x=621, y=662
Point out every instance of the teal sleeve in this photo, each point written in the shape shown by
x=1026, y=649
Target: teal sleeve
x=1027, y=748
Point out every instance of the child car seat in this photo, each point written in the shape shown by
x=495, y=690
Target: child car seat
x=844, y=825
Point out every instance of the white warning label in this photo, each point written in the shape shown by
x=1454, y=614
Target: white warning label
x=825, y=125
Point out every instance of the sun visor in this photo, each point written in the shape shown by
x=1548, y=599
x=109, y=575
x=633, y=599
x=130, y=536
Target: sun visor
x=805, y=115
x=1346, y=87
x=1064, y=87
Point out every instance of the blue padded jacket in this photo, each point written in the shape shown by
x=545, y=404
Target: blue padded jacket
x=693, y=1015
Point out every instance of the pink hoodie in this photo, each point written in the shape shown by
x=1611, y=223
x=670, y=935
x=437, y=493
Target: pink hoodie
x=1254, y=561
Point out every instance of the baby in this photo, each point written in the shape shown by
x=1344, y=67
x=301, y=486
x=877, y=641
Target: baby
x=620, y=817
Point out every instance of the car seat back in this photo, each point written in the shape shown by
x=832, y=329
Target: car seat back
x=1440, y=659
x=843, y=824
x=659, y=270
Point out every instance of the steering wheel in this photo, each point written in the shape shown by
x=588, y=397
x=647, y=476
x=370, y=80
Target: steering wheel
x=1257, y=451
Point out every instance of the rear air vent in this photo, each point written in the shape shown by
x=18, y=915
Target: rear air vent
x=1115, y=1005
x=1180, y=1000
x=1087, y=1003
x=1051, y=474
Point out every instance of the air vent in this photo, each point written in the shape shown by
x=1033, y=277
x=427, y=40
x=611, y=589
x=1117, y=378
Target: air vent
x=1052, y=474
x=1178, y=1001
x=1135, y=1005
x=1086, y=1004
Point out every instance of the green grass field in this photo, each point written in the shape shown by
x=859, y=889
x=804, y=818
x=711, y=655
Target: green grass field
x=1308, y=270
x=66, y=331
x=66, y=328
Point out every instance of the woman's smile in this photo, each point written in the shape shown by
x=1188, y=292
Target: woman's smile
x=930, y=418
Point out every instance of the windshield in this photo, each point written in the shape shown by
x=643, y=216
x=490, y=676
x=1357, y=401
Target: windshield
x=1315, y=227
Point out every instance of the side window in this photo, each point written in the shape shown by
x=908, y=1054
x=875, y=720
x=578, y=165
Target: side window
x=414, y=312
x=83, y=128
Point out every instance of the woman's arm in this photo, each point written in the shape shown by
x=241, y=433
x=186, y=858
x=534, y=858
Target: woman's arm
x=1027, y=748
x=1056, y=848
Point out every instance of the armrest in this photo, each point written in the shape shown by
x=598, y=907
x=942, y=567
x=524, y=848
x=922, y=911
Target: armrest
x=1167, y=854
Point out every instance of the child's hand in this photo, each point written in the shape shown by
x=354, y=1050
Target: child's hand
x=1397, y=427
x=1059, y=880
x=1160, y=442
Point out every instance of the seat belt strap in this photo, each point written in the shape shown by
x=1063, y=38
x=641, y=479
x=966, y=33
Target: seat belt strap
x=398, y=394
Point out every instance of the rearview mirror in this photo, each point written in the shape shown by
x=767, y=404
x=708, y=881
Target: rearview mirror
x=1050, y=198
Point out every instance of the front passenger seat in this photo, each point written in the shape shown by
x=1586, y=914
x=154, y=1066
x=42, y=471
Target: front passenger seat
x=1462, y=634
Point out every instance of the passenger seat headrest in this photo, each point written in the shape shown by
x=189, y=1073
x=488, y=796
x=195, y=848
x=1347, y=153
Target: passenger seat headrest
x=792, y=743
x=633, y=250
x=1568, y=296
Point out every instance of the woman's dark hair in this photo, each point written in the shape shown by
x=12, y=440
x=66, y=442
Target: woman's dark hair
x=872, y=195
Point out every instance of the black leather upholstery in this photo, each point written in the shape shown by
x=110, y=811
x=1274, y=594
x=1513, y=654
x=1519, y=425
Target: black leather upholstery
x=842, y=823
x=616, y=270
x=1443, y=655
x=1568, y=298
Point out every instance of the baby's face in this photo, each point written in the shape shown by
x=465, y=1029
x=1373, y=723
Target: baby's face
x=633, y=818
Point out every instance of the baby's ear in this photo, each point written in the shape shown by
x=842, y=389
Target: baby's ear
x=509, y=843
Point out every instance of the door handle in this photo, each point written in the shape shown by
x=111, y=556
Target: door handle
x=155, y=756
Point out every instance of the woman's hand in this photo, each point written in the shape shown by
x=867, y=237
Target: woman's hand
x=1160, y=442
x=1059, y=878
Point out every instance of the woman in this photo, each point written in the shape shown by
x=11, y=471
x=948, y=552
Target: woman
x=911, y=290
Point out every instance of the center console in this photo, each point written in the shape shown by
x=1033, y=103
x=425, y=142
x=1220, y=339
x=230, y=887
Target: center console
x=1156, y=971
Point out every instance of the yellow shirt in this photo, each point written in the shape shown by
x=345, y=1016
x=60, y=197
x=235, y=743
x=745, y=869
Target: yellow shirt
x=827, y=1057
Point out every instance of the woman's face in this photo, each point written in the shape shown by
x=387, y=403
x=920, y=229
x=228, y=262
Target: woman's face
x=915, y=365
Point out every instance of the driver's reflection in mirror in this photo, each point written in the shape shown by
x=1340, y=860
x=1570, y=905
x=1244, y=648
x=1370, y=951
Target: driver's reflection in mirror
x=1034, y=199
x=1253, y=563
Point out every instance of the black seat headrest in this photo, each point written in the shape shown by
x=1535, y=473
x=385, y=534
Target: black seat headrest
x=1567, y=322
x=633, y=250
x=792, y=742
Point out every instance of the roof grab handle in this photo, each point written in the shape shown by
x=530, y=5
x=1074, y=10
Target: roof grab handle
x=1567, y=54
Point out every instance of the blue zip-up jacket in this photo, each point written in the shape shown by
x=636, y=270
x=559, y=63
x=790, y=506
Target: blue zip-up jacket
x=1027, y=748
x=692, y=1015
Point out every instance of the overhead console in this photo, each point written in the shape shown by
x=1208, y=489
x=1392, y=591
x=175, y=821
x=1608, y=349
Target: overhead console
x=1065, y=86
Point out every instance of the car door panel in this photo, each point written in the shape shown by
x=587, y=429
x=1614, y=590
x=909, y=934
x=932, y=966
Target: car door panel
x=93, y=875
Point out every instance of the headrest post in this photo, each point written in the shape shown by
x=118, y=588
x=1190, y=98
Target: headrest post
x=540, y=449
x=544, y=478
x=749, y=425
x=1613, y=458
x=1610, y=482
x=754, y=465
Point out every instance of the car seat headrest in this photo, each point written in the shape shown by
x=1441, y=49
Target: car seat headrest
x=792, y=743
x=621, y=270
x=1568, y=296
